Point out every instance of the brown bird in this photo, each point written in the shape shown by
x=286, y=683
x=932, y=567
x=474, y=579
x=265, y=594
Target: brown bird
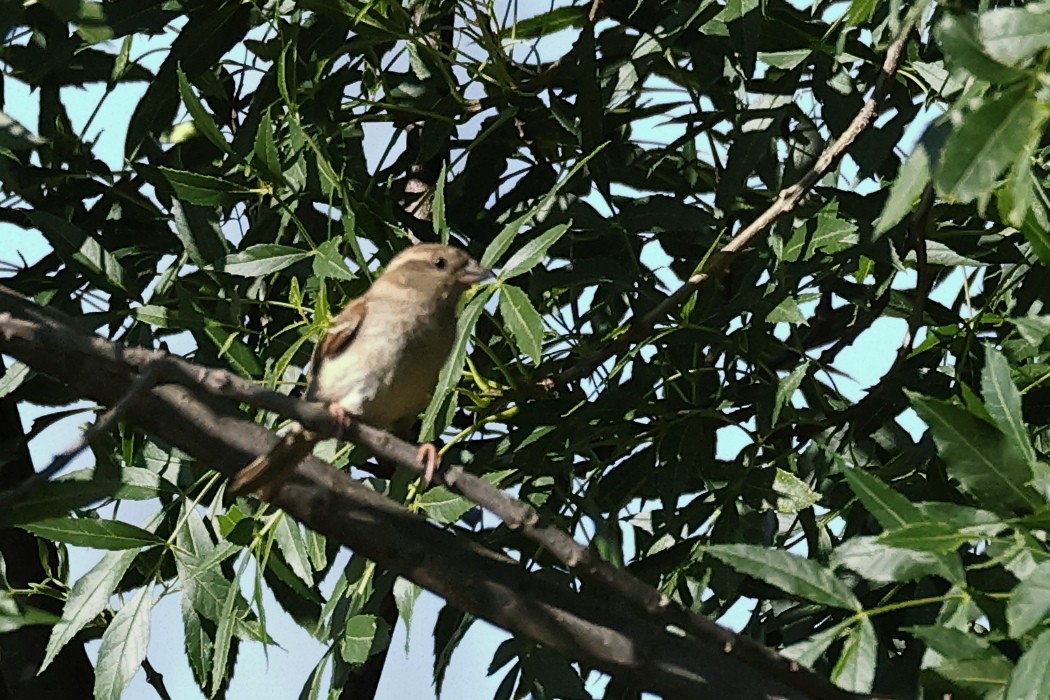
x=381, y=357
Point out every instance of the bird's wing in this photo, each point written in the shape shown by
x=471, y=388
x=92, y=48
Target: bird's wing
x=341, y=333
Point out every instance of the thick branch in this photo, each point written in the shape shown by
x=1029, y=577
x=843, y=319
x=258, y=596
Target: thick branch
x=614, y=639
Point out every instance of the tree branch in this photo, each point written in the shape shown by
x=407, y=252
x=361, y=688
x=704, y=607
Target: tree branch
x=615, y=639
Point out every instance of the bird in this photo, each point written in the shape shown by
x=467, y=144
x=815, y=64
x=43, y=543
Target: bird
x=380, y=359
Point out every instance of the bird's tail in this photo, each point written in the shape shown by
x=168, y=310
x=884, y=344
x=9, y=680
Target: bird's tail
x=267, y=473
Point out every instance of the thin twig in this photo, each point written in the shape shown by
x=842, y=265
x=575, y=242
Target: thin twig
x=143, y=383
x=785, y=203
x=156, y=679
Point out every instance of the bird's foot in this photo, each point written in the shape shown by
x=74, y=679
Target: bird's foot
x=430, y=460
x=341, y=415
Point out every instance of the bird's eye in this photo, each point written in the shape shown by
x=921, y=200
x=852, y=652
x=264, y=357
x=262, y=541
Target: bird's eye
x=440, y=263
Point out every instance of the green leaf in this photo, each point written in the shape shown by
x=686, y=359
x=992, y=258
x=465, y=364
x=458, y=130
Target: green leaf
x=793, y=494
x=203, y=189
x=329, y=262
x=265, y=150
x=1029, y=602
x=826, y=232
x=1033, y=329
x=547, y=23
x=786, y=388
x=860, y=11
x=262, y=259
x=523, y=321
x=530, y=254
x=315, y=681
x=1003, y=402
x=88, y=532
x=951, y=642
x=906, y=190
x=794, y=575
x=987, y=143
x=223, y=637
x=198, y=644
x=883, y=564
x=444, y=506
x=229, y=344
x=13, y=377
x=890, y=508
x=123, y=647
x=984, y=462
x=87, y=599
x=14, y=616
x=1031, y=676
x=957, y=35
x=201, y=119
x=453, y=368
x=505, y=237
x=79, y=249
x=938, y=253
x=405, y=595
x=199, y=232
x=1013, y=34
x=855, y=669
x=290, y=541
x=786, y=60
x=808, y=651
x=927, y=537
x=56, y=498
x=787, y=311
x=364, y=635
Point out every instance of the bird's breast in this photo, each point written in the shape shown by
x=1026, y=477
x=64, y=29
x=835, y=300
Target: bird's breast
x=388, y=371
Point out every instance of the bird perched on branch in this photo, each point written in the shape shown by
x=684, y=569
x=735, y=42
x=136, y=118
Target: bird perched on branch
x=381, y=357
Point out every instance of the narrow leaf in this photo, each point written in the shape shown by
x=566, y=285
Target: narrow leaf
x=453, y=369
x=79, y=249
x=891, y=509
x=88, y=532
x=987, y=143
x=793, y=575
x=530, y=254
x=985, y=463
x=523, y=321
x=505, y=238
x=203, y=189
x=1003, y=401
x=123, y=647
x=786, y=388
x=87, y=598
x=201, y=119
x=855, y=669
x=1031, y=676
x=262, y=259
x=1029, y=602
x=329, y=262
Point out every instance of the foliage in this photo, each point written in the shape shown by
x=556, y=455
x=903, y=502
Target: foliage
x=275, y=141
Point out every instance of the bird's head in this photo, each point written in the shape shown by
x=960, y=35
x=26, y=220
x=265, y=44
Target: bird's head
x=435, y=270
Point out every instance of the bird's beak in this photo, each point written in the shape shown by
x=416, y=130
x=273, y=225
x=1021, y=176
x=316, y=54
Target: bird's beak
x=474, y=272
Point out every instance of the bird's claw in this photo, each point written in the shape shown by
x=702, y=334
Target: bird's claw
x=430, y=460
x=341, y=415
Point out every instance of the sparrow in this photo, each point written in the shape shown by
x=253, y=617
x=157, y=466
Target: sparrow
x=380, y=358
